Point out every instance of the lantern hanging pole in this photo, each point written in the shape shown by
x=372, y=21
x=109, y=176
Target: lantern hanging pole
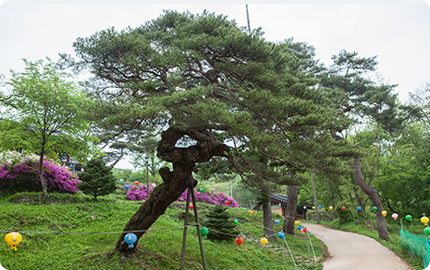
x=202, y=252
x=307, y=243
x=184, y=238
x=291, y=254
x=283, y=252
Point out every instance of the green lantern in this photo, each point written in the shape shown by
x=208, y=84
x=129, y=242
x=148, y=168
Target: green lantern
x=408, y=217
x=201, y=189
x=204, y=231
x=427, y=230
x=374, y=208
x=236, y=221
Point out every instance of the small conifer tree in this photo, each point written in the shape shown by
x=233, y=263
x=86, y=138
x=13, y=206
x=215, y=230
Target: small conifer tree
x=220, y=220
x=97, y=179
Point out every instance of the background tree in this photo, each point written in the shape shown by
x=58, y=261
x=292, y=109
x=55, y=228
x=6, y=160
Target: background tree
x=220, y=220
x=46, y=115
x=97, y=179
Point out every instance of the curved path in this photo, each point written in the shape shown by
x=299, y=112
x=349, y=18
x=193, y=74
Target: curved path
x=351, y=251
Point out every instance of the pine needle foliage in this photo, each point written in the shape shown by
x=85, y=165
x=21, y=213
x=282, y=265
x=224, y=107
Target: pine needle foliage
x=97, y=179
x=220, y=220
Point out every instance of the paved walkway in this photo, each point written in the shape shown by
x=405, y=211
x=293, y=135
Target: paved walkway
x=351, y=251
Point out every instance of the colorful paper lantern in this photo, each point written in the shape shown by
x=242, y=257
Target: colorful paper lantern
x=136, y=183
x=320, y=207
x=297, y=223
x=408, y=217
x=281, y=235
x=304, y=207
x=71, y=166
x=82, y=170
x=358, y=208
x=395, y=216
x=191, y=207
x=343, y=208
x=313, y=207
x=121, y=180
x=263, y=241
x=384, y=213
x=304, y=229
x=130, y=239
x=239, y=241
x=227, y=202
x=126, y=186
x=236, y=221
x=201, y=189
x=331, y=208
x=204, y=232
x=13, y=239
x=374, y=208
x=277, y=221
x=427, y=230
x=299, y=227
x=153, y=185
x=251, y=212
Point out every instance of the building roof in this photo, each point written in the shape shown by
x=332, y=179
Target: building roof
x=278, y=197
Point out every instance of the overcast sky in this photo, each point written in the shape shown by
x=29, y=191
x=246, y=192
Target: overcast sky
x=399, y=34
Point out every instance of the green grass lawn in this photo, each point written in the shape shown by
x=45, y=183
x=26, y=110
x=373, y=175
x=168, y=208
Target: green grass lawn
x=157, y=249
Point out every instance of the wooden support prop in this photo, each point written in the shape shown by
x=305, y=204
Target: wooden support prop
x=184, y=238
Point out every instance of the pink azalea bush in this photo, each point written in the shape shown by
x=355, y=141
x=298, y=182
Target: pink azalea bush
x=24, y=176
x=138, y=193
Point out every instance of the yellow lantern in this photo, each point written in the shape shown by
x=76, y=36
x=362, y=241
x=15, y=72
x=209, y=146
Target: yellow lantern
x=331, y=208
x=13, y=239
x=297, y=222
x=313, y=207
x=251, y=212
x=425, y=220
x=263, y=241
x=384, y=213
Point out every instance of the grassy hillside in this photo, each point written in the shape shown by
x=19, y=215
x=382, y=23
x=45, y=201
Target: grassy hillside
x=159, y=248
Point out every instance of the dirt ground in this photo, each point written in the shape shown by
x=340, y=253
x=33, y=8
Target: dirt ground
x=351, y=251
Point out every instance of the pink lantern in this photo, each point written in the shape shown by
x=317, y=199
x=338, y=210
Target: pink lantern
x=304, y=207
x=153, y=185
x=82, y=170
x=303, y=230
x=395, y=216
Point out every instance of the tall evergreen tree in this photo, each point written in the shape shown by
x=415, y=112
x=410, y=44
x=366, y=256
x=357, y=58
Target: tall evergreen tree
x=198, y=76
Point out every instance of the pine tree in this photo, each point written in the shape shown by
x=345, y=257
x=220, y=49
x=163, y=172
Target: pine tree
x=97, y=179
x=220, y=220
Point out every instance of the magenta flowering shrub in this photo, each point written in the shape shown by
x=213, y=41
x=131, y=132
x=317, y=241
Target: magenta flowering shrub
x=24, y=176
x=135, y=193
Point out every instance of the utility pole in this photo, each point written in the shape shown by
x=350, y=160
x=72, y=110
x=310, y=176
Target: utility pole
x=247, y=16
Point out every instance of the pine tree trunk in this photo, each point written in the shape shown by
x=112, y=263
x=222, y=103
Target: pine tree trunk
x=174, y=182
x=317, y=214
x=268, y=221
x=374, y=197
x=291, y=210
x=42, y=179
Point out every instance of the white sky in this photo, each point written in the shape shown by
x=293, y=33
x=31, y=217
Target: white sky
x=398, y=33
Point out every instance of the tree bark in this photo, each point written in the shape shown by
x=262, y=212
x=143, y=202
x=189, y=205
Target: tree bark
x=268, y=220
x=317, y=214
x=42, y=179
x=290, y=216
x=174, y=182
x=374, y=197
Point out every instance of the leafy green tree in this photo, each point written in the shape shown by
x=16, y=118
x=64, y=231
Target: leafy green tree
x=46, y=115
x=222, y=224
x=97, y=179
x=215, y=91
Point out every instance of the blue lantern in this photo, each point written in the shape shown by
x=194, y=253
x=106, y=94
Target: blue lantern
x=320, y=207
x=429, y=242
x=299, y=227
x=71, y=166
x=130, y=238
x=126, y=186
x=281, y=235
x=277, y=221
x=359, y=208
x=121, y=180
